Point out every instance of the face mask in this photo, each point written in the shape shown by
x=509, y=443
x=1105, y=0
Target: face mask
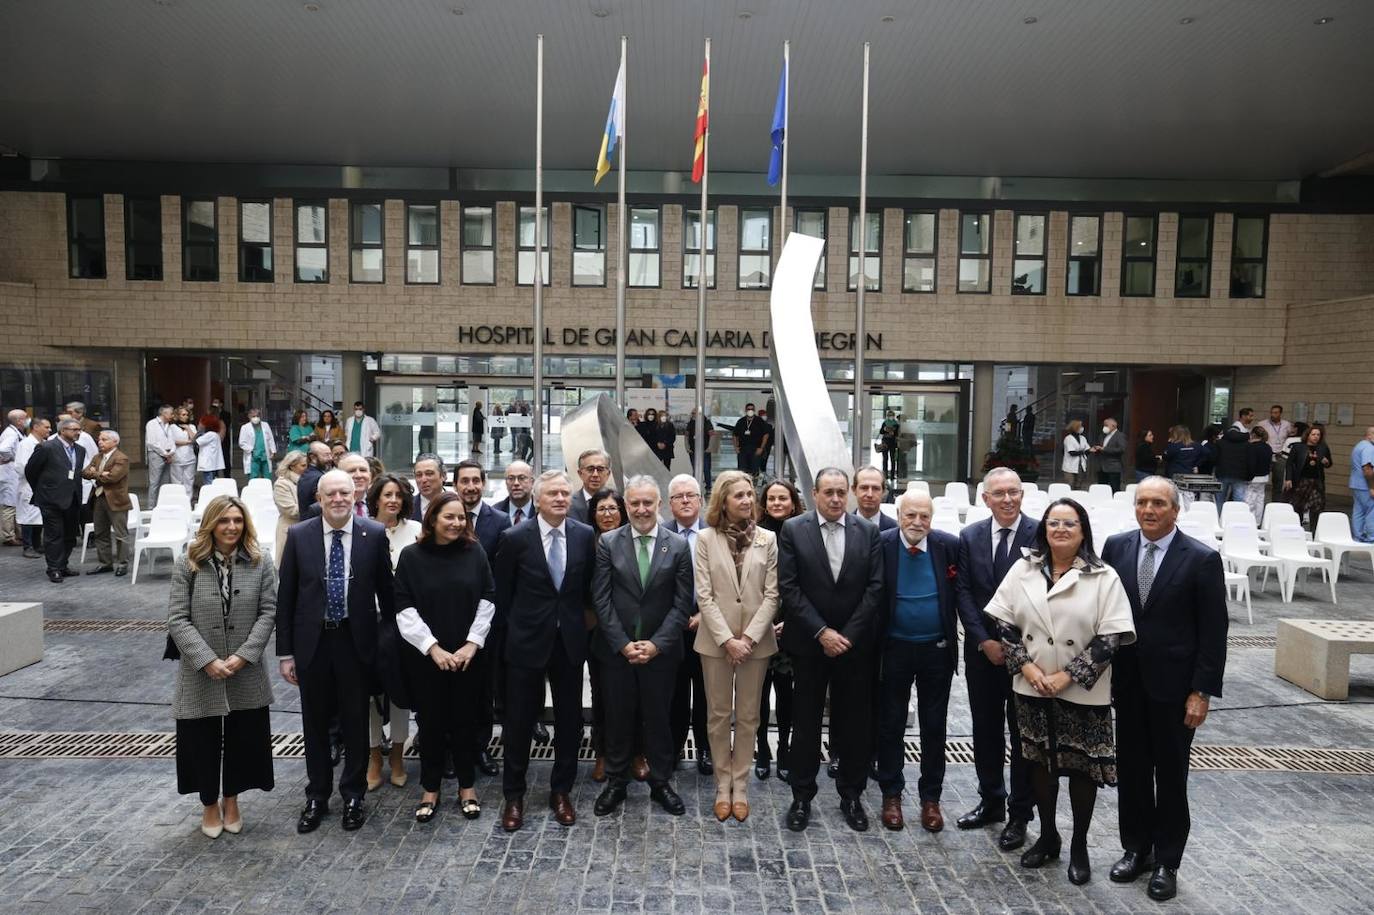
x=748, y=412
x=357, y=414
x=256, y=420
x=1106, y=430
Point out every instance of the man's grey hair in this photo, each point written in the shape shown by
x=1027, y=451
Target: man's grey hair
x=684, y=479
x=1174, y=499
x=350, y=454
x=67, y=424
x=911, y=495
x=431, y=456
x=76, y=405
x=333, y=475
x=111, y=433
x=547, y=477
x=999, y=471
x=643, y=481
x=589, y=452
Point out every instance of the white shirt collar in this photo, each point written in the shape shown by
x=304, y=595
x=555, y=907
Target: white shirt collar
x=907, y=544
x=824, y=521
x=1163, y=542
x=876, y=517
x=695, y=525
x=652, y=535
x=347, y=526
x=545, y=527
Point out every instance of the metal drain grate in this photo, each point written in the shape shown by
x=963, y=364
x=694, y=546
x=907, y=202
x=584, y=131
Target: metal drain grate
x=1252, y=641
x=136, y=745
x=113, y=625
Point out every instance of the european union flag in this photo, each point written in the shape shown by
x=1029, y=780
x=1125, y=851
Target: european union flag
x=779, y=128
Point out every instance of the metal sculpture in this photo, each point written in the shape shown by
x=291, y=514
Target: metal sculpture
x=598, y=423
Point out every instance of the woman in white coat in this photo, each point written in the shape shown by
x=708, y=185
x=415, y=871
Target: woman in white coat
x=1061, y=615
x=209, y=456
x=1076, y=449
x=184, y=458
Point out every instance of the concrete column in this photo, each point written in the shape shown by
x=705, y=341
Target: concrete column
x=353, y=381
x=982, y=416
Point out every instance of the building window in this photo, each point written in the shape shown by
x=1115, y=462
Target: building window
x=365, y=244
x=813, y=223
x=143, y=238
x=86, y=237
x=255, y=241
x=918, y=260
x=755, y=247
x=524, y=258
x=199, y=241
x=975, y=252
x=691, y=248
x=1194, y=276
x=1138, y=256
x=1028, y=250
x=873, y=245
x=1085, y=256
x=479, y=247
x=422, y=243
x=589, y=246
x=1248, y=251
x=645, y=247
x=312, y=241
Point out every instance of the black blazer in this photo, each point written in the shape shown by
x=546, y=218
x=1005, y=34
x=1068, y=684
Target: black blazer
x=661, y=606
x=1180, y=633
x=301, y=589
x=813, y=599
x=490, y=524
x=884, y=522
x=55, y=482
x=535, y=613
x=306, y=488
x=944, y=556
x=976, y=582
x=578, y=510
x=1297, y=458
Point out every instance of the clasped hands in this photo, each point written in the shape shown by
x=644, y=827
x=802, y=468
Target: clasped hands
x=1047, y=685
x=739, y=650
x=453, y=660
x=833, y=643
x=641, y=652
x=223, y=670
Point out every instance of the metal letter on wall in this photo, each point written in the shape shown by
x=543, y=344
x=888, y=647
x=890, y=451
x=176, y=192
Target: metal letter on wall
x=598, y=423
x=814, y=440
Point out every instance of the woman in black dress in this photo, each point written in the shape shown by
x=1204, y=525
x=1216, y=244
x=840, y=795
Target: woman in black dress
x=1305, y=474
x=778, y=500
x=445, y=589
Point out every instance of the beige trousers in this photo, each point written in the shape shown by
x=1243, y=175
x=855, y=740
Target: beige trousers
x=9, y=530
x=738, y=690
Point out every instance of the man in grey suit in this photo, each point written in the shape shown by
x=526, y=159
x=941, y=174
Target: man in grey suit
x=642, y=591
x=594, y=470
x=1109, y=451
x=54, y=475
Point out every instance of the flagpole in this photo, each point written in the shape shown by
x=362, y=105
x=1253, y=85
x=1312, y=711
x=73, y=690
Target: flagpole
x=859, y=432
x=538, y=418
x=779, y=397
x=702, y=247
x=622, y=243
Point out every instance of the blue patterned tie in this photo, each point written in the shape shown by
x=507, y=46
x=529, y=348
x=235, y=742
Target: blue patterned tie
x=556, y=558
x=335, y=583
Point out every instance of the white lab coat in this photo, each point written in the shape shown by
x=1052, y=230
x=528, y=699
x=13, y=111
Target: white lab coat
x=209, y=456
x=25, y=511
x=88, y=443
x=372, y=433
x=9, y=476
x=246, y=444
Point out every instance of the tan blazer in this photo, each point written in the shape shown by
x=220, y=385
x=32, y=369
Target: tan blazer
x=114, y=479
x=733, y=606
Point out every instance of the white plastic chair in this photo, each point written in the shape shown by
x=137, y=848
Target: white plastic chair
x=1033, y=504
x=173, y=494
x=1234, y=580
x=1100, y=491
x=168, y=531
x=1234, y=511
x=1333, y=536
x=1058, y=490
x=918, y=486
x=1197, y=528
x=957, y=494
x=888, y=508
x=1121, y=498
x=1205, y=508
x=1030, y=487
x=947, y=521
x=942, y=503
x=977, y=513
x=1274, y=511
x=1289, y=547
x=135, y=520
x=978, y=493
x=1240, y=548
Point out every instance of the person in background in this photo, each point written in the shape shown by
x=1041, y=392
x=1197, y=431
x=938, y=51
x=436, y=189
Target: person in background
x=517, y=504
x=27, y=515
x=337, y=450
x=1278, y=430
x=1207, y=450
x=594, y=470
x=1181, y=454
x=1231, y=464
x=479, y=427
x=632, y=417
x=1260, y=459
x=375, y=465
x=690, y=434
x=161, y=448
x=665, y=439
x=1109, y=451
x=258, y=446
x=498, y=429
x=16, y=422
x=184, y=457
x=648, y=430
x=887, y=441
x=77, y=411
x=328, y=430
x=54, y=477
x=607, y=512
x=110, y=472
x=289, y=470
x=778, y=500
x=1361, y=484
x=361, y=432
x=1145, y=460
x=429, y=473
x=1076, y=449
x=869, y=489
x=1304, y=483
x=318, y=461
x=220, y=615
x=356, y=466
x=301, y=433
x=209, y=453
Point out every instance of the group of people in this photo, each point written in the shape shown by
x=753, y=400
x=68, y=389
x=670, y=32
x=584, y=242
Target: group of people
x=386, y=599
x=521, y=439
x=752, y=436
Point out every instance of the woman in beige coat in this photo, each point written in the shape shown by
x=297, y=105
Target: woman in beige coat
x=737, y=595
x=289, y=471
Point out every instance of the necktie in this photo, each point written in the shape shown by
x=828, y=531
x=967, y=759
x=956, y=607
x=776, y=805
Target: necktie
x=358, y=510
x=832, y=548
x=913, y=549
x=556, y=558
x=1147, y=572
x=334, y=611
x=1003, y=558
x=519, y=516
x=643, y=556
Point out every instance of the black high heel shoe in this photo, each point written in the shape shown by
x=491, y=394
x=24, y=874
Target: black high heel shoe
x=1046, y=848
x=1080, y=871
x=761, y=769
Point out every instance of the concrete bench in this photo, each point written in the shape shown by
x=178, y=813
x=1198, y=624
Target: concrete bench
x=21, y=636
x=1315, y=654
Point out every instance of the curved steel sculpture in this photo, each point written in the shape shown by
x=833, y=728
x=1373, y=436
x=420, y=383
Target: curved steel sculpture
x=598, y=423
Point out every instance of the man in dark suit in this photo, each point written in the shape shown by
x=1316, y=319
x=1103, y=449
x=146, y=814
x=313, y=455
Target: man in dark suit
x=1110, y=450
x=54, y=475
x=543, y=582
x=318, y=460
x=869, y=489
x=517, y=505
x=987, y=550
x=642, y=591
x=1163, y=684
x=830, y=582
x=689, y=693
x=335, y=573
x=429, y=483
x=919, y=645
x=594, y=470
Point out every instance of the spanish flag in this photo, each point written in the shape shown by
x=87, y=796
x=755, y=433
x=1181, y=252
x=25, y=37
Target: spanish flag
x=699, y=156
x=615, y=126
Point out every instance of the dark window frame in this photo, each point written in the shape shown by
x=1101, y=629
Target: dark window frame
x=656, y=251
x=1153, y=259
x=933, y=255
x=312, y=245
x=854, y=251
x=1180, y=260
x=1262, y=260
x=741, y=251
x=959, y=262
x=821, y=279
x=1070, y=258
x=354, y=245
x=270, y=246
x=709, y=232
x=602, y=217
x=463, y=245
x=187, y=244
x=521, y=248
x=130, y=243
x=75, y=242
x=1043, y=257
x=437, y=247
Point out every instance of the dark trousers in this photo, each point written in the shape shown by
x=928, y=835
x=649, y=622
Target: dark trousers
x=596, y=679
x=994, y=715
x=489, y=692
x=781, y=685
x=749, y=461
x=851, y=699
x=524, y=702
x=689, y=703
x=930, y=666
x=335, y=684
x=32, y=535
x=1152, y=747
x=637, y=699
x=447, y=707
x=233, y=750
x=61, y=528
x=1111, y=477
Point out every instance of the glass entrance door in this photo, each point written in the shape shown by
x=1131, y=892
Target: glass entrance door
x=931, y=436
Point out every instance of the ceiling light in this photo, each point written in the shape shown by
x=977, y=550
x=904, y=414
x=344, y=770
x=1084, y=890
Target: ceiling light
x=601, y=13
x=745, y=14
x=889, y=19
x=312, y=7
x=1324, y=20
x=457, y=11
x=1029, y=20
x=1186, y=20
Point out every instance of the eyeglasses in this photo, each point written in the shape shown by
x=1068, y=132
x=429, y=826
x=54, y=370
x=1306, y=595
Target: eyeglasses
x=608, y=510
x=1003, y=493
x=594, y=468
x=684, y=497
x=1055, y=524
x=519, y=477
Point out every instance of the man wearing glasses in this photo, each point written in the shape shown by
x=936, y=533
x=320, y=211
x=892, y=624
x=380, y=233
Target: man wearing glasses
x=987, y=549
x=689, y=695
x=594, y=469
x=517, y=505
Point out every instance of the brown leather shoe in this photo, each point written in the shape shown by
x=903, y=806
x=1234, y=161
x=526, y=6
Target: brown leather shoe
x=740, y=810
x=892, y=812
x=722, y=810
x=563, y=810
x=640, y=768
x=599, y=770
x=513, y=814
x=931, y=817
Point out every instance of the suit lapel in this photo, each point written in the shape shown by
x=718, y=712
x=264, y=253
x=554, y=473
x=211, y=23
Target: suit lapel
x=630, y=557
x=852, y=546
x=1172, y=560
x=1128, y=573
x=658, y=558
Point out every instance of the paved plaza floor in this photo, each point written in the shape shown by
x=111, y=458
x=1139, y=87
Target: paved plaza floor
x=94, y=821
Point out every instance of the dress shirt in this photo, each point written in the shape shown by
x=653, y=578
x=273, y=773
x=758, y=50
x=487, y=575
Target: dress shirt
x=1162, y=545
x=997, y=536
x=414, y=630
x=1278, y=434
x=525, y=511
x=907, y=544
x=347, y=551
x=104, y=462
x=652, y=535
x=71, y=453
x=837, y=533
x=544, y=528
x=157, y=437
x=875, y=519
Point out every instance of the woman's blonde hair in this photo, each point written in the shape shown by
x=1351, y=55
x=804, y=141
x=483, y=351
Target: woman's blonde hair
x=289, y=461
x=720, y=491
x=204, y=543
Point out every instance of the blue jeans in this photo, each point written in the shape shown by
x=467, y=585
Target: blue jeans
x=1362, y=524
x=1232, y=491
x=208, y=476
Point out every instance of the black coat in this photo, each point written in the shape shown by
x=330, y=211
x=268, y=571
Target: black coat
x=533, y=610
x=1297, y=459
x=812, y=599
x=1232, y=455
x=55, y=482
x=977, y=581
x=307, y=488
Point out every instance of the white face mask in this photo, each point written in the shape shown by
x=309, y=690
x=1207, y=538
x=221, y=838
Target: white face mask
x=1106, y=430
x=256, y=420
x=357, y=414
x=748, y=412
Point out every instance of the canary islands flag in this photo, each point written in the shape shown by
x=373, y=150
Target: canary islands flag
x=615, y=126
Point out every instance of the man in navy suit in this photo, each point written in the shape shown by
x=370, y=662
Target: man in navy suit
x=335, y=572
x=594, y=470
x=869, y=489
x=543, y=584
x=919, y=644
x=318, y=460
x=1163, y=684
x=517, y=505
x=429, y=482
x=54, y=475
x=987, y=550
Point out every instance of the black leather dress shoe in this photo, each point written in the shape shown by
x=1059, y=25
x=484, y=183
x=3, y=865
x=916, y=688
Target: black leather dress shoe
x=310, y=817
x=611, y=797
x=1080, y=871
x=798, y=815
x=54, y=576
x=100, y=570
x=354, y=815
x=832, y=768
x=1013, y=835
x=985, y=814
x=487, y=764
x=704, y=765
x=1131, y=866
x=70, y=573
x=667, y=798
x=541, y=733
x=762, y=769
x=121, y=570
x=854, y=815
x=1163, y=884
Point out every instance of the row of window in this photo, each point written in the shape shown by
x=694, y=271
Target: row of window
x=1083, y=266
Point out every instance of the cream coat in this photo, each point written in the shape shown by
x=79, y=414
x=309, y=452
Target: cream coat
x=1058, y=623
x=733, y=605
